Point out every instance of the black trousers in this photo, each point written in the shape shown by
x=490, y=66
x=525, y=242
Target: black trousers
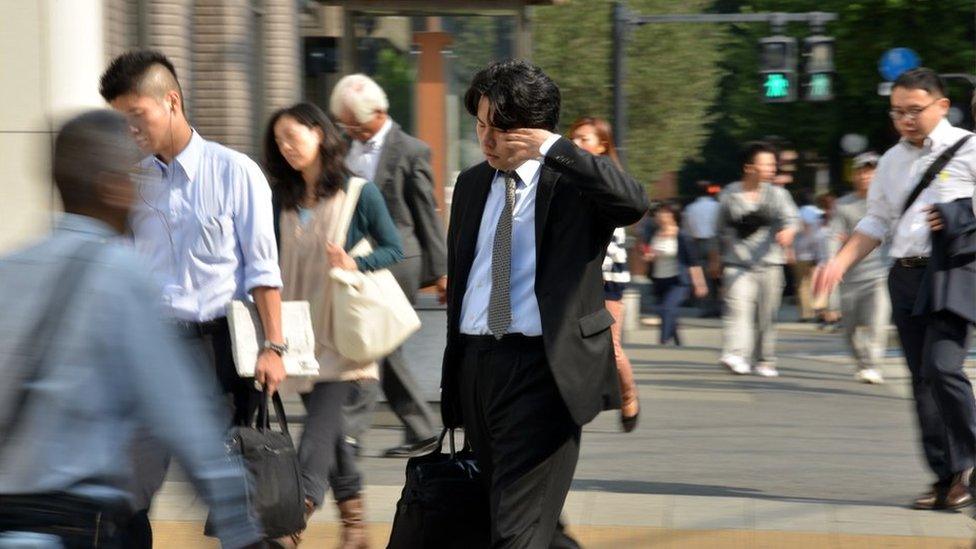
x=401, y=389
x=210, y=345
x=523, y=436
x=935, y=347
x=68, y=521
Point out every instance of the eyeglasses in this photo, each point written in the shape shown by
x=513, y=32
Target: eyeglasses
x=910, y=114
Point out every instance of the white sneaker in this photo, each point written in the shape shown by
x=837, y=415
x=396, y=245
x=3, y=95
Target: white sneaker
x=869, y=375
x=765, y=370
x=737, y=364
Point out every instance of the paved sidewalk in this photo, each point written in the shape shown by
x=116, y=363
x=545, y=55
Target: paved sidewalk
x=811, y=459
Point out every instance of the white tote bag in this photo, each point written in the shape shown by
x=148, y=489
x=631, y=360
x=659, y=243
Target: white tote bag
x=371, y=316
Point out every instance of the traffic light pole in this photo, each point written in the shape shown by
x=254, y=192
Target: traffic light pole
x=623, y=20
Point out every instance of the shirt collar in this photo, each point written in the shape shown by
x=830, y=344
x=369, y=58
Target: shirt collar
x=188, y=159
x=938, y=136
x=528, y=172
x=380, y=137
x=82, y=224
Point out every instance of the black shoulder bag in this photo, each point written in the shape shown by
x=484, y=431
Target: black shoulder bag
x=275, y=486
x=444, y=502
x=936, y=167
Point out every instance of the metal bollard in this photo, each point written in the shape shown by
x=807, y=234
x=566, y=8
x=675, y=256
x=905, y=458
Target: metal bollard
x=632, y=303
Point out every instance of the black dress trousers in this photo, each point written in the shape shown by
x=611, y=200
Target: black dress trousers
x=935, y=347
x=523, y=436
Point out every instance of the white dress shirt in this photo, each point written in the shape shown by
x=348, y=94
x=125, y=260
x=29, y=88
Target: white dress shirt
x=205, y=224
x=364, y=158
x=526, y=319
x=701, y=217
x=899, y=170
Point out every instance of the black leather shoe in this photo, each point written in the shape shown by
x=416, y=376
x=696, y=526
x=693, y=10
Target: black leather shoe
x=412, y=449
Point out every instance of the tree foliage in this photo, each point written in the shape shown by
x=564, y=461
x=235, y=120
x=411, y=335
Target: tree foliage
x=941, y=31
x=671, y=79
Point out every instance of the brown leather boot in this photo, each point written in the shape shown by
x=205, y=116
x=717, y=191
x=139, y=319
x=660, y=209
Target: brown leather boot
x=354, y=535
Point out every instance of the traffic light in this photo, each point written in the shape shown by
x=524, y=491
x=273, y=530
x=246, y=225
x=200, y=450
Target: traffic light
x=777, y=69
x=818, y=68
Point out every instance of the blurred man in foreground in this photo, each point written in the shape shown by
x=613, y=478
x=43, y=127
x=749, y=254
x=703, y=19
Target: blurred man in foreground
x=87, y=359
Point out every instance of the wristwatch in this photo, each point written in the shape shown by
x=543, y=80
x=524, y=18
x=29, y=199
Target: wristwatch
x=280, y=348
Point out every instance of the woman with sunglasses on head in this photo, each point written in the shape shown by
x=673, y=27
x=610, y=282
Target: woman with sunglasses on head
x=594, y=136
x=304, y=157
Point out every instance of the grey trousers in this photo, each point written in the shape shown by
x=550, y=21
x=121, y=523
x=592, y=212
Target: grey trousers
x=752, y=298
x=867, y=312
x=402, y=391
x=324, y=454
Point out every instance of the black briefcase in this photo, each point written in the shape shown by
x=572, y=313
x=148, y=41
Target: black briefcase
x=275, y=479
x=444, y=503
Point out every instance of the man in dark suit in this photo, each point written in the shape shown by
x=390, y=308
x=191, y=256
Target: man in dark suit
x=529, y=358
x=400, y=166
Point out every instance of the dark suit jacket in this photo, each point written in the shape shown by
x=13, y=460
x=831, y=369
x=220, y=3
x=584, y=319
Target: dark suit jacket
x=950, y=278
x=404, y=176
x=580, y=200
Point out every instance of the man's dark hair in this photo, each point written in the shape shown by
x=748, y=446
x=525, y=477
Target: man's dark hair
x=521, y=95
x=753, y=148
x=922, y=79
x=287, y=181
x=87, y=147
x=145, y=72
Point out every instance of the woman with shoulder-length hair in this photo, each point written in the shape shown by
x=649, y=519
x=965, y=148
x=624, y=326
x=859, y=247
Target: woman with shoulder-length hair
x=595, y=136
x=674, y=270
x=304, y=156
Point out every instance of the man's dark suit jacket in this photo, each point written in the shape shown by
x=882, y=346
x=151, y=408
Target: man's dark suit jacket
x=580, y=200
x=404, y=176
x=950, y=277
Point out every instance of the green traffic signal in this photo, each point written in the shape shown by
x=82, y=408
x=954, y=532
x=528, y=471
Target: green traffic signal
x=776, y=85
x=820, y=87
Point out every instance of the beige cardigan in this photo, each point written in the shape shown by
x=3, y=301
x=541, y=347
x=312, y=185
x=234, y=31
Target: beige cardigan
x=305, y=274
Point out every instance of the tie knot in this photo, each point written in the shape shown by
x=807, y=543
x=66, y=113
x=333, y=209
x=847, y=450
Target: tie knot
x=512, y=179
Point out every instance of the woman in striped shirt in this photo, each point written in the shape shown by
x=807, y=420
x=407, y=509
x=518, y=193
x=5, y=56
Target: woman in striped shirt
x=594, y=136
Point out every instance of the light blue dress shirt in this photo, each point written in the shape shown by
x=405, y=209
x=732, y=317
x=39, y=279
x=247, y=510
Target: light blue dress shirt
x=526, y=319
x=113, y=366
x=206, y=225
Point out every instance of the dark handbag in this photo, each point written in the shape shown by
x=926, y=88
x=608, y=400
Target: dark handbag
x=275, y=487
x=444, y=502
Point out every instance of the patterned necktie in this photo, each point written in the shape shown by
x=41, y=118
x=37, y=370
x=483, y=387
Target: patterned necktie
x=500, y=300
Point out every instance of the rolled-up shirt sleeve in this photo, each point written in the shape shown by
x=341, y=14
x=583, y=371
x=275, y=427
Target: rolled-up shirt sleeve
x=254, y=225
x=876, y=223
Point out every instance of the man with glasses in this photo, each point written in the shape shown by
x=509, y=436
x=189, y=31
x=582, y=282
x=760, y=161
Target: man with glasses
x=932, y=282
x=399, y=165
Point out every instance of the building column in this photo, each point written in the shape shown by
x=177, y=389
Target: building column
x=169, y=29
x=431, y=104
x=282, y=64
x=54, y=74
x=222, y=63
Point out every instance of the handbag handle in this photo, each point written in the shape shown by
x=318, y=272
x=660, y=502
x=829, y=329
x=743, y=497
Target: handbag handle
x=353, y=190
x=264, y=417
x=444, y=433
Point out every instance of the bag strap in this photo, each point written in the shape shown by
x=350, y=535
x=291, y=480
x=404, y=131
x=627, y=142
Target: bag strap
x=264, y=417
x=933, y=170
x=448, y=432
x=37, y=344
x=353, y=190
